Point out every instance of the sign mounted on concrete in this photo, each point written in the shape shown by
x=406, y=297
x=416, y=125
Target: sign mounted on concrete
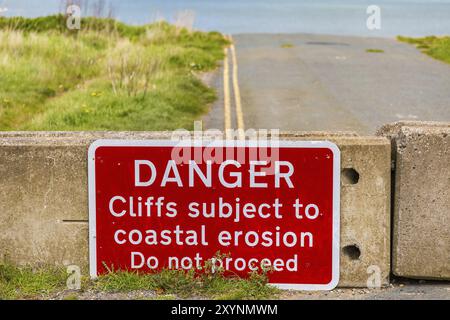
x=232, y=206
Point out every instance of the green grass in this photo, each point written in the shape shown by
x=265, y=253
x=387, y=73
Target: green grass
x=436, y=47
x=46, y=282
x=375, y=50
x=28, y=283
x=106, y=76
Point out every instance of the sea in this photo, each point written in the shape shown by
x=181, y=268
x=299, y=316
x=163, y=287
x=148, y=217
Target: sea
x=339, y=17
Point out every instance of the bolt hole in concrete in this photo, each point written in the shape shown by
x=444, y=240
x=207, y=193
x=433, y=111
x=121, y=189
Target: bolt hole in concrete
x=350, y=176
x=352, y=252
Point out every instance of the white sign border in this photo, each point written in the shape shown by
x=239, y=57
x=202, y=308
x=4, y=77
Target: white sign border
x=223, y=143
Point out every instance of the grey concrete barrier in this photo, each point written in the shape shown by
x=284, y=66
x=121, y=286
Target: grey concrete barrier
x=44, y=199
x=421, y=211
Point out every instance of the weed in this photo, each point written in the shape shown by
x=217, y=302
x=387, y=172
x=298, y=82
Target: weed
x=374, y=50
x=287, y=45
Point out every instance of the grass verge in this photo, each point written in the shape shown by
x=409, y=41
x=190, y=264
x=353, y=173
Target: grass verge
x=50, y=283
x=106, y=76
x=436, y=47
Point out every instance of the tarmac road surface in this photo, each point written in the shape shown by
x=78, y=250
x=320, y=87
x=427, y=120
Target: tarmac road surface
x=319, y=82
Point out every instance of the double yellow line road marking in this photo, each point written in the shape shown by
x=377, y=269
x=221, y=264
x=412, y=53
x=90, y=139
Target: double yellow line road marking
x=227, y=93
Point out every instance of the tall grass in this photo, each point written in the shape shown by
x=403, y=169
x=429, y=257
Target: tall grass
x=107, y=76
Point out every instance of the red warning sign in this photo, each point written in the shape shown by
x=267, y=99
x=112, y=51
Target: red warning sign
x=241, y=206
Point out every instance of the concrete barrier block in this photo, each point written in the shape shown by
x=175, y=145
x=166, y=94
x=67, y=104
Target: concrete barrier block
x=44, y=209
x=365, y=211
x=43, y=203
x=421, y=215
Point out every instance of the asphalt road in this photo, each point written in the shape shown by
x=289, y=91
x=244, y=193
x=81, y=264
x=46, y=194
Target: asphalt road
x=325, y=82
